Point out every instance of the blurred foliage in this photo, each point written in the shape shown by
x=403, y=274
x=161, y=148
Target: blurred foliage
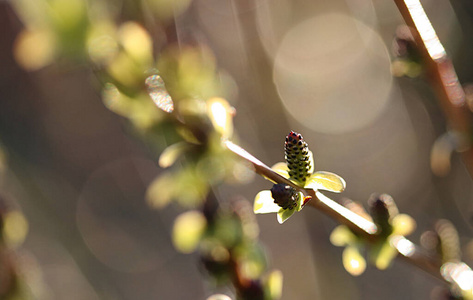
x=407, y=59
x=20, y=278
x=390, y=223
x=170, y=98
x=174, y=99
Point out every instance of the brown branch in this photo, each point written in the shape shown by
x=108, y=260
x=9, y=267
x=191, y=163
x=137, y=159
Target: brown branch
x=440, y=72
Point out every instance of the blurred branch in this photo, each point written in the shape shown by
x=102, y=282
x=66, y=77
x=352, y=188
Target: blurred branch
x=440, y=72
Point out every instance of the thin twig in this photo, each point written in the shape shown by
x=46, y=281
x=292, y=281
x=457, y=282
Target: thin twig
x=408, y=251
x=440, y=72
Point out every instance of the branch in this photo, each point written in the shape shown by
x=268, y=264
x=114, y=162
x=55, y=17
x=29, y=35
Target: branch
x=440, y=72
x=408, y=251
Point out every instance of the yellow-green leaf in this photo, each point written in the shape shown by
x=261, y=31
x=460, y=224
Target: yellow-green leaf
x=171, y=154
x=187, y=231
x=342, y=236
x=403, y=224
x=137, y=42
x=264, y=203
x=160, y=191
x=281, y=169
x=274, y=284
x=326, y=181
x=353, y=261
x=300, y=201
x=15, y=228
x=383, y=255
x=285, y=214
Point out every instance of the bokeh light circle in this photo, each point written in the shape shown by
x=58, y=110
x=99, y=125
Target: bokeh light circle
x=332, y=73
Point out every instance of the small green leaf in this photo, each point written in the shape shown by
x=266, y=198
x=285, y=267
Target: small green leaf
x=187, y=231
x=326, y=181
x=171, y=154
x=403, y=224
x=300, y=201
x=382, y=255
x=264, y=203
x=160, y=192
x=190, y=188
x=281, y=169
x=285, y=214
x=353, y=261
x=342, y=236
x=274, y=284
x=15, y=228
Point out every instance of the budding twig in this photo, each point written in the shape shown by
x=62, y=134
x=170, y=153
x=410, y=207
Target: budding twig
x=366, y=229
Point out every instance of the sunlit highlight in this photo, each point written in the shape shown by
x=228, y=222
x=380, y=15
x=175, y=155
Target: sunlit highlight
x=366, y=225
x=159, y=94
x=426, y=31
x=353, y=262
x=403, y=245
x=220, y=114
x=460, y=274
x=329, y=83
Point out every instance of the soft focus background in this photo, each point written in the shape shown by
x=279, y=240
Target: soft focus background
x=321, y=68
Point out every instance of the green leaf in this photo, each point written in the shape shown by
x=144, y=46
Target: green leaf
x=15, y=228
x=300, y=201
x=264, y=203
x=342, y=236
x=285, y=214
x=160, y=192
x=171, y=154
x=190, y=189
x=403, y=224
x=187, y=231
x=326, y=181
x=273, y=285
x=382, y=255
x=353, y=261
x=281, y=169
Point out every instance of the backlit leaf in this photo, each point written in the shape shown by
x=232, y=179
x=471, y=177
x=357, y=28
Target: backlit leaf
x=264, y=203
x=285, y=214
x=403, y=224
x=353, y=261
x=160, y=191
x=383, y=255
x=281, y=169
x=274, y=284
x=171, y=154
x=326, y=181
x=187, y=231
x=342, y=236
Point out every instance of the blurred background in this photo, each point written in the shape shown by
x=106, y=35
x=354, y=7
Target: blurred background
x=321, y=68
